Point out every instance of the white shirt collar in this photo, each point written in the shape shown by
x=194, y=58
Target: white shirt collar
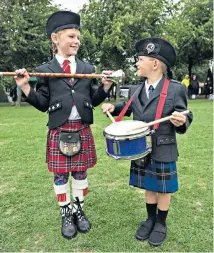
x=153, y=84
x=61, y=59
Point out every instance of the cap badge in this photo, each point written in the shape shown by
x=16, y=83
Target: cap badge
x=150, y=48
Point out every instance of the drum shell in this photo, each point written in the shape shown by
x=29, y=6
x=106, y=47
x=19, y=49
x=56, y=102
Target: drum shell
x=129, y=147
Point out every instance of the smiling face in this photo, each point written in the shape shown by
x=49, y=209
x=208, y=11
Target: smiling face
x=67, y=42
x=149, y=67
x=145, y=65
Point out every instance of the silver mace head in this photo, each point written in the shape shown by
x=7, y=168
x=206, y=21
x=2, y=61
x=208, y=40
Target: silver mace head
x=116, y=77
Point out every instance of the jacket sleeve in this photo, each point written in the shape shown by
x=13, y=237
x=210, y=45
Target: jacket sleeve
x=181, y=105
x=39, y=98
x=98, y=95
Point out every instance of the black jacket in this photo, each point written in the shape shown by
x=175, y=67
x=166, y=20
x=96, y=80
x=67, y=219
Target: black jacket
x=164, y=146
x=56, y=95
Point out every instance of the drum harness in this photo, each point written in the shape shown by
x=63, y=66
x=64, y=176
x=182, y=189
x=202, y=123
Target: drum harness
x=160, y=106
x=142, y=162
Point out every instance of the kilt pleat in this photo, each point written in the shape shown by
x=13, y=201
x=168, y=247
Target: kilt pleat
x=156, y=176
x=86, y=158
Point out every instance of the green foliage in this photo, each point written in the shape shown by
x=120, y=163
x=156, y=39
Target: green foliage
x=191, y=30
x=109, y=32
x=200, y=69
x=23, y=41
x=131, y=77
x=111, y=28
x=7, y=82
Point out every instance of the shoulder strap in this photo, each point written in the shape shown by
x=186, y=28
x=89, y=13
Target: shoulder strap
x=123, y=112
x=161, y=102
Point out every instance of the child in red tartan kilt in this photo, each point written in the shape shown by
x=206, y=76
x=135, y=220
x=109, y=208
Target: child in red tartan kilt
x=70, y=104
x=157, y=171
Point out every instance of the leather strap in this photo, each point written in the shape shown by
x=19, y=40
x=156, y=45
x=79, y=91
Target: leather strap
x=123, y=112
x=159, y=110
x=161, y=102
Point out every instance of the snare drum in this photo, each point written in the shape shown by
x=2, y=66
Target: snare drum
x=123, y=143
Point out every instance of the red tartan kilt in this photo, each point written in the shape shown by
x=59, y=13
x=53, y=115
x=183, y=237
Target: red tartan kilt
x=86, y=158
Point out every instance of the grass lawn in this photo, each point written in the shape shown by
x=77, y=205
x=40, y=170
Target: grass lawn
x=30, y=219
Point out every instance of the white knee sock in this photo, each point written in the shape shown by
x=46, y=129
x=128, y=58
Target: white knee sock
x=62, y=194
x=79, y=190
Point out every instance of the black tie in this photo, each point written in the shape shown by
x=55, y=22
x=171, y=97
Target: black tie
x=151, y=89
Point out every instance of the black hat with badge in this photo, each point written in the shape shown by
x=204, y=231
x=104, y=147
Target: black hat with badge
x=157, y=48
x=62, y=20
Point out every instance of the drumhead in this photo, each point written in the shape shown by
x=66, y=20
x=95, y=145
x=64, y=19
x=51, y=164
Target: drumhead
x=123, y=128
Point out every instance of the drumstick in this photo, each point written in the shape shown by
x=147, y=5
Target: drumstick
x=110, y=116
x=156, y=121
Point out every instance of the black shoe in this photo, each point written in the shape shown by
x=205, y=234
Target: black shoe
x=145, y=229
x=81, y=221
x=69, y=229
x=158, y=234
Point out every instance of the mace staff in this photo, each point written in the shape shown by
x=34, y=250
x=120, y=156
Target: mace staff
x=115, y=77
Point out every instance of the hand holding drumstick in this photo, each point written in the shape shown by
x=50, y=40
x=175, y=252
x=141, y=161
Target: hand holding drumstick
x=108, y=108
x=178, y=118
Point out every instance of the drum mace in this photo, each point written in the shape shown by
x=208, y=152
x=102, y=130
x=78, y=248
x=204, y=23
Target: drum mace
x=116, y=77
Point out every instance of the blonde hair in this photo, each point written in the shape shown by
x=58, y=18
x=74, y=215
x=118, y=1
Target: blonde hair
x=162, y=64
x=163, y=67
x=53, y=45
x=54, y=48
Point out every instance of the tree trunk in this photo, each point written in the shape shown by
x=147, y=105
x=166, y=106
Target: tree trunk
x=3, y=95
x=19, y=96
x=190, y=60
x=117, y=92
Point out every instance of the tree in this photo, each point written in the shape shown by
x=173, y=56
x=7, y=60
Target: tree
x=23, y=39
x=191, y=31
x=111, y=29
x=3, y=96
